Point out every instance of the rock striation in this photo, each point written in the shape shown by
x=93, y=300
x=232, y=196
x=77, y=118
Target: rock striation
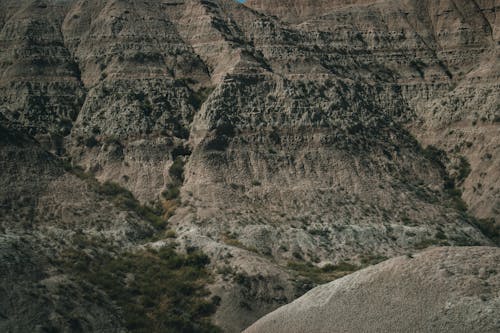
x=279, y=137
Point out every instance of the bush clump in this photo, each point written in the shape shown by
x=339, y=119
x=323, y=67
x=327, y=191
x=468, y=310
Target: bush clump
x=176, y=171
x=171, y=196
x=125, y=199
x=156, y=290
x=121, y=197
x=489, y=229
x=91, y=142
x=321, y=275
x=199, y=97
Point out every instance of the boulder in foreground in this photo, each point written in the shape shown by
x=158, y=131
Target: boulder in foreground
x=439, y=290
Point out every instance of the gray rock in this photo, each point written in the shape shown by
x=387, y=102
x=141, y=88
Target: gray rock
x=438, y=290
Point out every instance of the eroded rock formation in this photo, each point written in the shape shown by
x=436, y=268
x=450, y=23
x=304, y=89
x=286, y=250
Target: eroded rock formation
x=278, y=136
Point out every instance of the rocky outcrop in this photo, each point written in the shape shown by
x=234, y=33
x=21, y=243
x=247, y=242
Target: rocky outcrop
x=447, y=77
x=298, y=10
x=142, y=91
x=279, y=137
x=39, y=81
x=439, y=290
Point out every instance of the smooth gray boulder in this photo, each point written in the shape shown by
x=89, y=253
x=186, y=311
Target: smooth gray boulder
x=439, y=290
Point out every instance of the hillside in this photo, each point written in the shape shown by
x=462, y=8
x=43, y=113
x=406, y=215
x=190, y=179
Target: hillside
x=276, y=137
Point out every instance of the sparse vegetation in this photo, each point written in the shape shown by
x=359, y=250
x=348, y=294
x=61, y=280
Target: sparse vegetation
x=121, y=197
x=489, y=229
x=408, y=221
x=199, y=97
x=225, y=270
x=171, y=196
x=232, y=240
x=439, y=157
x=125, y=199
x=372, y=260
x=156, y=290
x=320, y=275
x=91, y=142
x=426, y=243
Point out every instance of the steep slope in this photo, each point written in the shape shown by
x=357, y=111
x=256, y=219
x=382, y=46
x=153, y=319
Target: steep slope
x=39, y=81
x=439, y=290
x=77, y=255
x=277, y=145
x=45, y=214
x=444, y=57
x=301, y=150
x=142, y=81
x=295, y=11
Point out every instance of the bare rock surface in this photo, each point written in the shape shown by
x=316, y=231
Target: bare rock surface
x=279, y=137
x=438, y=290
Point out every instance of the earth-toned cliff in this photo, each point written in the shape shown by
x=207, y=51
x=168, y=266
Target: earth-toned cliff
x=292, y=142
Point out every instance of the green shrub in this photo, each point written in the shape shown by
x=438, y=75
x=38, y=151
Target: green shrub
x=320, y=275
x=112, y=189
x=124, y=199
x=243, y=280
x=112, y=140
x=176, y=171
x=147, y=107
x=427, y=243
x=489, y=228
x=435, y=154
x=372, y=259
x=440, y=234
x=456, y=199
x=319, y=232
x=199, y=97
x=167, y=292
x=464, y=170
x=91, y=142
x=170, y=234
x=171, y=193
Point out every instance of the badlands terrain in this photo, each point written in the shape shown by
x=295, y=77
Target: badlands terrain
x=193, y=165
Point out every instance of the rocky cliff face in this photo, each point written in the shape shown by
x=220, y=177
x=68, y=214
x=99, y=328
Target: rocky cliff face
x=447, y=78
x=295, y=11
x=277, y=137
